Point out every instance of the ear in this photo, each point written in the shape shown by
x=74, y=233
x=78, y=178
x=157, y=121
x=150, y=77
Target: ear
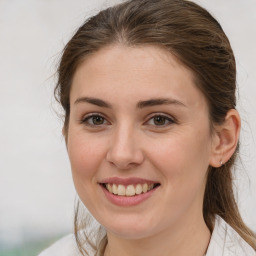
x=225, y=139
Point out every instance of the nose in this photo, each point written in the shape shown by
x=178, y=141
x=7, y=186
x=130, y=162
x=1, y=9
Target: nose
x=124, y=150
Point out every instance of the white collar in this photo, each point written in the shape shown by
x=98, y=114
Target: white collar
x=225, y=241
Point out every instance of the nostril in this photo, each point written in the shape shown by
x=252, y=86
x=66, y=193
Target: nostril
x=123, y=164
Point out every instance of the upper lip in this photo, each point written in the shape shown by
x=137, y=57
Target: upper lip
x=127, y=181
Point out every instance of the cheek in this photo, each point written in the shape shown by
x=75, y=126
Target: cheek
x=183, y=158
x=183, y=163
x=85, y=156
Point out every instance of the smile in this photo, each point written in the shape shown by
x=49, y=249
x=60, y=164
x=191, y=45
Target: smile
x=129, y=190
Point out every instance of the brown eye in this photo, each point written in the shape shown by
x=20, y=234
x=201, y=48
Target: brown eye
x=159, y=120
x=94, y=120
x=97, y=120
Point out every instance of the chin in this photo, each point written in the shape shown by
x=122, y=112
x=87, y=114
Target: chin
x=129, y=228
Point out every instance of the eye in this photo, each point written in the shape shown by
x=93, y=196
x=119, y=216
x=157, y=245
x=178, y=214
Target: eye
x=94, y=120
x=160, y=120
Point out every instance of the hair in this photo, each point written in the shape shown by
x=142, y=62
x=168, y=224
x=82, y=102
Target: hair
x=190, y=33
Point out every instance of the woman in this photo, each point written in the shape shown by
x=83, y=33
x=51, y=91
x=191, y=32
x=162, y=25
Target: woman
x=148, y=90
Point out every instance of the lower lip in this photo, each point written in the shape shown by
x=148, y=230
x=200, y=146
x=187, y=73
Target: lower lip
x=127, y=200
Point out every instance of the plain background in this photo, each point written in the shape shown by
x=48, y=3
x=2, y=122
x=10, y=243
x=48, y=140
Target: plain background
x=36, y=190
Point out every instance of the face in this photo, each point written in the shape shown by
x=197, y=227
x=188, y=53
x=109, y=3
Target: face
x=139, y=140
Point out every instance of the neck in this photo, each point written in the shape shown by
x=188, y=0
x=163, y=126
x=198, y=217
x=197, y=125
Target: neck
x=184, y=237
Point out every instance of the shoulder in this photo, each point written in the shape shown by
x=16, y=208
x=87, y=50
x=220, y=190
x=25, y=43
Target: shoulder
x=66, y=246
x=225, y=241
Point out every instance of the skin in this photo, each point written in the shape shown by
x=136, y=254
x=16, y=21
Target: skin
x=128, y=142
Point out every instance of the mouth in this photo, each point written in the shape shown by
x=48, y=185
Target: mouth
x=129, y=190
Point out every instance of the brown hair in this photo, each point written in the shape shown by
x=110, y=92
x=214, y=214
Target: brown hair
x=190, y=33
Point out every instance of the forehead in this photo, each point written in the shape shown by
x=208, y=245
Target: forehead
x=143, y=72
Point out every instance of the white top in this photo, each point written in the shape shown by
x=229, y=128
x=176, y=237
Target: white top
x=225, y=241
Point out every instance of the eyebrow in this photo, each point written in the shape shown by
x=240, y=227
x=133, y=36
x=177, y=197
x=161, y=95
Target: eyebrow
x=140, y=104
x=159, y=101
x=94, y=101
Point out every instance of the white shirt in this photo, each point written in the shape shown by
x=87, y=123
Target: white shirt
x=225, y=241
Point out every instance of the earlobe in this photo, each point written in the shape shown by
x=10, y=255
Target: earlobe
x=225, y=139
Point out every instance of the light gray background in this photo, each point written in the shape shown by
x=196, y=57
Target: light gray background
x=36, y=190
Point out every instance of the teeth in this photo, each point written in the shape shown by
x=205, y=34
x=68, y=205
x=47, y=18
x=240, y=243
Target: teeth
x=138, y=189
x=114, y=189
x=109, y=188
x=121, y=190
x=130, y=190
x=145, y=188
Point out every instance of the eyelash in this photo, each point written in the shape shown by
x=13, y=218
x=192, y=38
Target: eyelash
x=86, y=120
x=166, y=118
